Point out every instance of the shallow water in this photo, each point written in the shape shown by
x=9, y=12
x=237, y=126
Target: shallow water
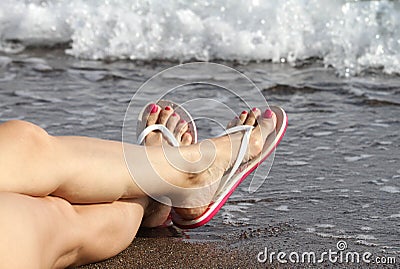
x=335, y=174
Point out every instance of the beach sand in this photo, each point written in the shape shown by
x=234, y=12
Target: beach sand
x=169, y=248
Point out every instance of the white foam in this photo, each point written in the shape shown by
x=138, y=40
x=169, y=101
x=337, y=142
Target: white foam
x=318, y=134
x=365, y=237
x=296, y=163
x=366, y=243
x=310, y=230
x=349, y=35
x=390, y=189
x=357, y=158
x=282, y=208
x=366, y=228
x=321, y=148
x=325, y=226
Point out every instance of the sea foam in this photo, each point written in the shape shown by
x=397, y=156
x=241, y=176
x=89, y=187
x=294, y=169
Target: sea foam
x=351, y=36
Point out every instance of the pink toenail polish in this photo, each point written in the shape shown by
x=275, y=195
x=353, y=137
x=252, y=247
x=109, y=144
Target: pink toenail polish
x=168, y=108
x=244, y=112
x=182, y=121
x=236, y=118
x=254, y=109
x=150, y=107
x=268, y=114
x=154, y=109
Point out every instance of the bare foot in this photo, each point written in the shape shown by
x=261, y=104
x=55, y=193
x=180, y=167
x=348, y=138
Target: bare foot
x=227, y=148
x=156, y=213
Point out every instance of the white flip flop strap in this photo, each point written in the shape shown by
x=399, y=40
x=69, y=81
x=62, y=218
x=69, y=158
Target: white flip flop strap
x=158, y=127
x=243, y=146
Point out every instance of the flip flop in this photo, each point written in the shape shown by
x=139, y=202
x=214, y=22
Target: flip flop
x=142, y=131
x=239, y=171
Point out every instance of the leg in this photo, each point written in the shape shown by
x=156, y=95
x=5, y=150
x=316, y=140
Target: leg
x=87, y=170
x=49, y=232
x=79, y=169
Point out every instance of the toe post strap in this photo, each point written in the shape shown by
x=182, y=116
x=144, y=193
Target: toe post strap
x=168, y=135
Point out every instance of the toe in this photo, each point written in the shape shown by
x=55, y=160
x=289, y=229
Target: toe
x=238, y=120
x=164, y=115
x=252, y=117
x=233, y=122
x=180, y=129
x=267, y=122
x=187, y=139
x=151, y=114
x=266, y=125
x=173, y=122
x=242, y=117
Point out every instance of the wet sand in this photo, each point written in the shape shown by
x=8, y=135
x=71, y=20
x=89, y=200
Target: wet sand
x=175, y=253
x=170, y=248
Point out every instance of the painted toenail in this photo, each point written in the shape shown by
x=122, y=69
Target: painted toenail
x=236, y=118
x=254, y=109
x=244, y=112
x=174, y=115
x=182, y=121
x=150, y=107
x=168, y=108
x=154, y=109
x=268, y=114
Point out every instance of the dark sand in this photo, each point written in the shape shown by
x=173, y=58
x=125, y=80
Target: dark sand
x=169, y=248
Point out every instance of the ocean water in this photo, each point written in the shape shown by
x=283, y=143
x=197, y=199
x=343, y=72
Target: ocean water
x=332, y=65
x=351, y=36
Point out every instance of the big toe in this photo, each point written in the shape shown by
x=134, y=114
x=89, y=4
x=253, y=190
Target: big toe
x=267, y=122
x=151, y=114
x=266, y=126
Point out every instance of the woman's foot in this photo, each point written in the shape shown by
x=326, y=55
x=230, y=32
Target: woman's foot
x=227, y=148
x=166, y=116
x=156, y=213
